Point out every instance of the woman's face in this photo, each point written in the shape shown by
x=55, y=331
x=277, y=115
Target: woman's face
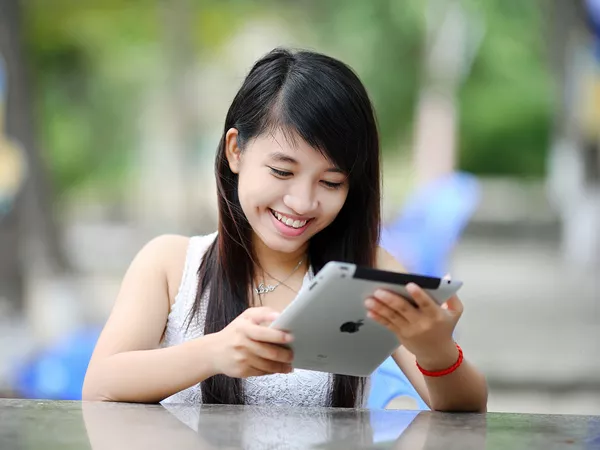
x=288, y=192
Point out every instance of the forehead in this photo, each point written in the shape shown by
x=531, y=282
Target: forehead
x=288, y=148
x=287, y=143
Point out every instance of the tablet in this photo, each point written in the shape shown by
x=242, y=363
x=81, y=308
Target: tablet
x=329, y=322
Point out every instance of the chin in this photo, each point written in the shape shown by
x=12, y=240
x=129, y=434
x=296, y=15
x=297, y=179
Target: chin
x=277, y=242
x=282, y=244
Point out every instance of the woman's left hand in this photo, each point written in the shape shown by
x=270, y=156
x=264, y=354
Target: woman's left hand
x=423, y=330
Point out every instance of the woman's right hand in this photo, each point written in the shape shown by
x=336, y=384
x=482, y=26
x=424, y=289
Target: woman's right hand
x=248, y=347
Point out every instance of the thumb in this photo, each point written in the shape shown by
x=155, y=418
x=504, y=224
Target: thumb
x=454, y=304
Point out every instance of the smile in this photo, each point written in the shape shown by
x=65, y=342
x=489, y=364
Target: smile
x=290, y=222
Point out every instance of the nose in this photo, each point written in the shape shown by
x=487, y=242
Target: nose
x=301, y=200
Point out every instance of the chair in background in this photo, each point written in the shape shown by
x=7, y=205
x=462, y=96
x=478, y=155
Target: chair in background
x=422, y=238
x=57, y=371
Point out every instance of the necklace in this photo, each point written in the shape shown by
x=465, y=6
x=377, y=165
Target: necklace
x=266, y=288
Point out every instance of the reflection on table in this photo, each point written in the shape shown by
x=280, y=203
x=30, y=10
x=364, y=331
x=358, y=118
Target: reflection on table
x=27, y=424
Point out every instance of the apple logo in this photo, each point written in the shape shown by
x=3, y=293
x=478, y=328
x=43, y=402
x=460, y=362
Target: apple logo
x=351, y=327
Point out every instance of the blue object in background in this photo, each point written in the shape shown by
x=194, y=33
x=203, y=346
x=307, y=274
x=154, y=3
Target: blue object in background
x=592, y=8
x=389, y=382
x=3, y=83
x=431, y=223
x=422, y=238
x=57, y=372
x=593, y=14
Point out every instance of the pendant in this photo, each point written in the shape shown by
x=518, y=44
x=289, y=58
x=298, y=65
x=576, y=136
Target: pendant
x=262, y=289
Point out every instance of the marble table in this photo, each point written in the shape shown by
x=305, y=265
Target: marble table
x=42, y=424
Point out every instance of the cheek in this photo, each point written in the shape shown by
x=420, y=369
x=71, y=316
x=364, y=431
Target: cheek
x=333, y=204
x=253, y=192
x=244, y=196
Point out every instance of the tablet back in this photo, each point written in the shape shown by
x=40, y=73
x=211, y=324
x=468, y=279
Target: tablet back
x=328, y=319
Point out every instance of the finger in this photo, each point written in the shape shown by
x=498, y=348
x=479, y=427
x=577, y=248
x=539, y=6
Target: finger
x=260, y=314
x=383, y=310
x=271, y=352
x=454, y=304
x=399, y=304
x=381, y=319
x=269, y=335
x=252, y=372
x=267, y=366
x=425, y=303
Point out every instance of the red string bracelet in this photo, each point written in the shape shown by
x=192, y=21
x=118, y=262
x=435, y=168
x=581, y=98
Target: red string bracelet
x=449, y=370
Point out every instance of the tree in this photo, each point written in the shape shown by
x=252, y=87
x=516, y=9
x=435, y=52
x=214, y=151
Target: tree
x=28, y=235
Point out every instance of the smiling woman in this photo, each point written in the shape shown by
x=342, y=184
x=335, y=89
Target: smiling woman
x=298, y=185
x=288, y=191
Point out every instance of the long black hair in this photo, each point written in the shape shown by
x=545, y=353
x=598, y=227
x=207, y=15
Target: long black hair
x=322, y=101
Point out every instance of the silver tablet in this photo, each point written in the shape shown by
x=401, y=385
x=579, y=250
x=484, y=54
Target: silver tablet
x=329, y=322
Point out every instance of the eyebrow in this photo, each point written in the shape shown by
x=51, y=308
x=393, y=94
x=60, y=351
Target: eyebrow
x=283, y=158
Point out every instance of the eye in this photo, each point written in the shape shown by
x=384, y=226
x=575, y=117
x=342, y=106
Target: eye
x=331, y=185
x=280, y=173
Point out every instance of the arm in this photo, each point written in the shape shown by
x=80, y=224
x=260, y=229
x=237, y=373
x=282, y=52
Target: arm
x=127, y=364
x=433, y=347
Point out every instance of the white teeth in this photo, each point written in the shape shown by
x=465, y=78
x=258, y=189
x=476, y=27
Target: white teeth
x=290, y=222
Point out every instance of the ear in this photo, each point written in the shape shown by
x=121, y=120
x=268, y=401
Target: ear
x=233, y=152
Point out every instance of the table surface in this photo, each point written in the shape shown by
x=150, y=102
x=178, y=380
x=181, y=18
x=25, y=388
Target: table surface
x=37, y=424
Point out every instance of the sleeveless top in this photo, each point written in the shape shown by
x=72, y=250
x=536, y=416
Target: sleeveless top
x=299, y=388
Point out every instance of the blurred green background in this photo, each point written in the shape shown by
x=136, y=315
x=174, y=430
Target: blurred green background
x=117, y=107
x=94, y=65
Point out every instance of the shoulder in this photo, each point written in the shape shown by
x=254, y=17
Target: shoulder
x=171, y=250
x=164, y=250
x=161, y=252
x=180, y=254
x=386, y=261
x=166, y=254
x=165, y=257
x=167, y=243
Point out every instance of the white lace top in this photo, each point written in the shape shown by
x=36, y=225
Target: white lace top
x=299, y=388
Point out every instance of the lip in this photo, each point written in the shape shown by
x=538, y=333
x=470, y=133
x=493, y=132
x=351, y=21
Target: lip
x=287, y=231
x=292, y=216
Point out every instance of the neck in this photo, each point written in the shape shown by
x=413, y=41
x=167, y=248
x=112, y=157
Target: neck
x=279, y=264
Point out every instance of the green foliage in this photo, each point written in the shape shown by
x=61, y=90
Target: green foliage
x=507, y=103
x=93, y=64
x=94, y=61
x=86, y=62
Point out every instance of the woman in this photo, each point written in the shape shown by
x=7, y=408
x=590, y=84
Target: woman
x=298, y=183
